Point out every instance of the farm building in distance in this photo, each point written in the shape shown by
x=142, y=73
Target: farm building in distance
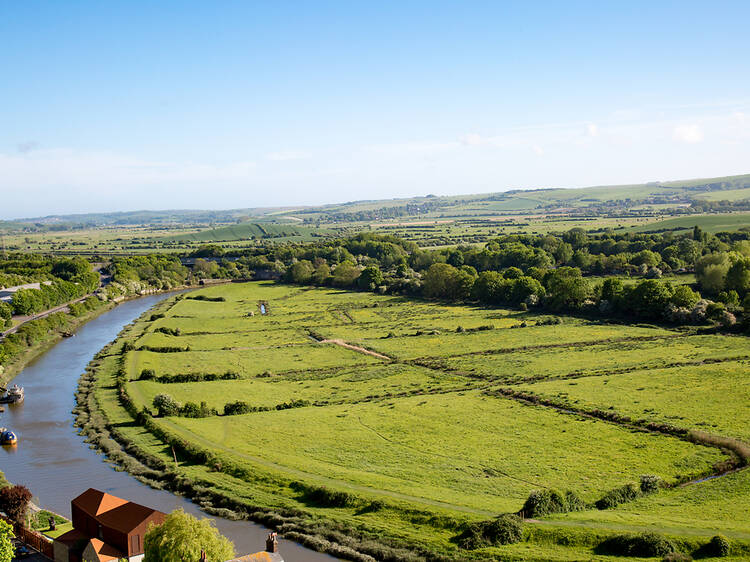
x=105, y=528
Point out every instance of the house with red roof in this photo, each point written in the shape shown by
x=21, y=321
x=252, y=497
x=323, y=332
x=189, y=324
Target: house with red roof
x=105, y=528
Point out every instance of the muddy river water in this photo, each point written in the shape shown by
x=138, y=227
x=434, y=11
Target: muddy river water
x=55, y=463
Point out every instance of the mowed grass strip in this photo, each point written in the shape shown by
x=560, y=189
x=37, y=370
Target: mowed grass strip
x=458, y=449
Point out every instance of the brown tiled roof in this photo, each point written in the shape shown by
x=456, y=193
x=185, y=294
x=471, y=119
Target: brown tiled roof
x=105, y=552
x=95, y=502
x=113, y=512
x=71, y=537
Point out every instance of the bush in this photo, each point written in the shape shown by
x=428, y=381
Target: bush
x=643, y=545
x=506, y=529
x=166, y=405
x=719, y=546
x=147, y=375
x=193, y=410
x=237, y=408
x=650, y=483
x=544, y=502
x=615, y=497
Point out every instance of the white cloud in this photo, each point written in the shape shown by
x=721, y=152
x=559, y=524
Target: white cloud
x=471, y=139
x=688, y=133
x=592, y=129
x=286, y=155
x=538, y=150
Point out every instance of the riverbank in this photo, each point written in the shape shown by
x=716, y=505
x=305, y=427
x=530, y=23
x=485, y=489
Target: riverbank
x=73, y=323
x=55, y=462
x=106, y=423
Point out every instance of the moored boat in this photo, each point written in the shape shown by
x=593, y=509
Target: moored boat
x=7, y=437
x=14, y=395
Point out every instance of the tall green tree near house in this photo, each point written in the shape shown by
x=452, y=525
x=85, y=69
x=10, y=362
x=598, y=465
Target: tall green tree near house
x=182, y=537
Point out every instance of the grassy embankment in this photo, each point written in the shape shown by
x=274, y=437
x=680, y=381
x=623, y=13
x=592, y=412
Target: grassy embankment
x=406, y=451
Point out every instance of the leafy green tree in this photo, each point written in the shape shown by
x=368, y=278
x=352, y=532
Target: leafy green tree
x=684, y=297
x=345, y=274
x=6, y=314
x=182, y=537
x=489, y=286
x=512, y=273
x=301, y=272
x=370, y=278
x=6, y=542
x=711, y=271
x=738, y=276
x=566, y=288
x=650, y=297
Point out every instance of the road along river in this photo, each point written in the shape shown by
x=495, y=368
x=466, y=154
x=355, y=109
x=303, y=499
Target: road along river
x=55, y=462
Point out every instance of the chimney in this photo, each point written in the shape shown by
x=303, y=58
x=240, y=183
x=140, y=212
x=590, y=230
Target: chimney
x=272, y=543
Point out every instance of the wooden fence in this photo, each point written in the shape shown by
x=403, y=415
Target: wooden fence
x=33, y=539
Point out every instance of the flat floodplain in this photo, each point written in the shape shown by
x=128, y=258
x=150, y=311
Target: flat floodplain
x=395, y=400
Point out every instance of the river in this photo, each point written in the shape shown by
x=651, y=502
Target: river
x=55, y=462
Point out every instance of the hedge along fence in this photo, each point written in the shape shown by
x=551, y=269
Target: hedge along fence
x=150, y=374
x=206, y=298
x=163, y=349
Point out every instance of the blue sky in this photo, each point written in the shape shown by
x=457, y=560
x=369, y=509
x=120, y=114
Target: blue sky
x=194, y=104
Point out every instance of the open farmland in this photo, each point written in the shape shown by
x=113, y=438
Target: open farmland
x=424, y=415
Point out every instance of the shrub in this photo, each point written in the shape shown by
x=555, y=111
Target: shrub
x=615, y=497
x=544, y=502
x=236, y=408
x=166, y=405
x=650, y=483
x=325, y=497
x=642, y=545
x=147, y=374
x=719, y=546
x=506, y=529
x=193, y=410
x=206, y=298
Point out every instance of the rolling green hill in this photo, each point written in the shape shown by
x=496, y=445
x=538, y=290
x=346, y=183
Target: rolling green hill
x=248, y=231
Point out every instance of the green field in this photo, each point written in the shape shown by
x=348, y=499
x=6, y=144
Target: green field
x=710, y=223
x=248, y=231
x=407, y=416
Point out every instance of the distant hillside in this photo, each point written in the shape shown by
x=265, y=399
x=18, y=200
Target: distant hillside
x=732, y=188
x=248, y=231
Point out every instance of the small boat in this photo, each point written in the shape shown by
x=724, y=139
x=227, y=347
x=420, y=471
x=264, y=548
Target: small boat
x=7, y=437
x=14, y=395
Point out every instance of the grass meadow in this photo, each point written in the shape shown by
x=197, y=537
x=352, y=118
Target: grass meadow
x=404, y=417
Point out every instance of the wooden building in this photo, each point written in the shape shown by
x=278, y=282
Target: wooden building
x=105, y=528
